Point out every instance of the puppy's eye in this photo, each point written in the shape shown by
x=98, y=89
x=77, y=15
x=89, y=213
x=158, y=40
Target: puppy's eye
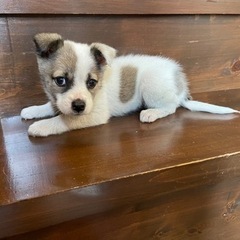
x=60, y=81
x=91, y=83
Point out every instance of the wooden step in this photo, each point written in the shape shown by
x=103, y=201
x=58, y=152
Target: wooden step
x=177, y=178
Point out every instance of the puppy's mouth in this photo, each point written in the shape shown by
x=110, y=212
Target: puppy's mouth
x=76, y=114
x=71, y=113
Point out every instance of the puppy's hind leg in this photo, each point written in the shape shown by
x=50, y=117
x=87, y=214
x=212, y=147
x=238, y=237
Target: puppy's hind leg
x=152, y=114
x=41, y=111
x=158, y=106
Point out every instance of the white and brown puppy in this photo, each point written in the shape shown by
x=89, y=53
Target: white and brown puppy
x=86, y=85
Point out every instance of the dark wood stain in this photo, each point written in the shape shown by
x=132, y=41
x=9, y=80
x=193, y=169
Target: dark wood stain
x=177, y=178
x=192, y=41
x=125, y=178
x=120, y=7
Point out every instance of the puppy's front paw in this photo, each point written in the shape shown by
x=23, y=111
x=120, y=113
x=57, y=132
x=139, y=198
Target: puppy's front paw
x=39, y=129
x=46, y=127
x=30, y=112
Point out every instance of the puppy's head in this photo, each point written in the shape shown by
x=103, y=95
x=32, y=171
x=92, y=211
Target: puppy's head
x=72, y=73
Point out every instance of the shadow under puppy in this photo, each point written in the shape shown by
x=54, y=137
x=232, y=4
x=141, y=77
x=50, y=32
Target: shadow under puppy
x=86, y=85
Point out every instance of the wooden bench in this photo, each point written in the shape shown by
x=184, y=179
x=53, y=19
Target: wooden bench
x=177, y=178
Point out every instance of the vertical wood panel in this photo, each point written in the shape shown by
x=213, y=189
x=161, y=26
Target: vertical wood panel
x=6, y=61
x=4, y=38
x=7, y=77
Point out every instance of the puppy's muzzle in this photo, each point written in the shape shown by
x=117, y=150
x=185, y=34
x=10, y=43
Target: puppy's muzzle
x=78, y=106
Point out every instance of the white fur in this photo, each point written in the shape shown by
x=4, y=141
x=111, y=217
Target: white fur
x=155, y=84
x=160, y=85
x=84, y=65
x=40, y=111
x=206, y=107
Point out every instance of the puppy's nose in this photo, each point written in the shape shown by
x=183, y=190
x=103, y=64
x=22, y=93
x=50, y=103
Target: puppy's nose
x=78, y=105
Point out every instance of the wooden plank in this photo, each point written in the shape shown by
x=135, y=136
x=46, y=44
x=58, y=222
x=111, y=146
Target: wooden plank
x=106, y=168
x=206, y=46
x=5, y=45
x=6, y=70
x=7, y=78
x=15, y=96
x=120, y=7
x=6, y=58
x=195, y=201
x=124, y=147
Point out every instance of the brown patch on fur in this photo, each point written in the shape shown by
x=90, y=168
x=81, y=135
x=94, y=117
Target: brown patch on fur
x=96, y=74
x=128, y=83
x=62, y=64
x=65, y=62
x=47, y=44
x=44, y=39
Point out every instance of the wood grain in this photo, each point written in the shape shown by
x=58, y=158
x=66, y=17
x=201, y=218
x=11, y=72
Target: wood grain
x=197, y=42
x=199, y=201
x=146, y=173
x=120, y=7
x=6, y=58
x=100, y=147
x=177, y=178
x=5, y=45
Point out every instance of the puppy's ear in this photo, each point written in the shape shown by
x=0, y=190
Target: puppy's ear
x=103, y=54
x=47, y=44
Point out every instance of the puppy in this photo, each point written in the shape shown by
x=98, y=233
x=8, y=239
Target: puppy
x=86, y=85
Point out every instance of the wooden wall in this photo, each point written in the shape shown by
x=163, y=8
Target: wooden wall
x=202, y=35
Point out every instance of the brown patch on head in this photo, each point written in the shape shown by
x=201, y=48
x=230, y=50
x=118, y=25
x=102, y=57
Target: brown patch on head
x=65, y=61
x=128, y=83
x=47, y=44
x=97, y=75
x=63, y=64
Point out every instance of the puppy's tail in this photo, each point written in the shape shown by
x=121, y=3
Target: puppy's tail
x=206, y=107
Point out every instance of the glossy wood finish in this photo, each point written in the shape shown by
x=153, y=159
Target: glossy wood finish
x=175, y=179
x=102, y=152
x=123, y=168
x=120, y=7
x=196, y=201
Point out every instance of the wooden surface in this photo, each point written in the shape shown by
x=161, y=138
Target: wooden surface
x=124, y=168
x=206, y=46
x=175, y=179
x=120, y=7
x=197, y=201
x=100, y=152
